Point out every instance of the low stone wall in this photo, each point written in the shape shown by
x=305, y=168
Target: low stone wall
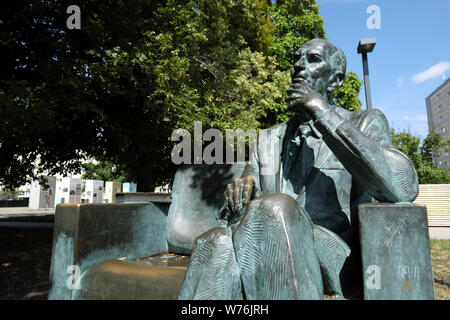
x=14, y=203
x=436, y=197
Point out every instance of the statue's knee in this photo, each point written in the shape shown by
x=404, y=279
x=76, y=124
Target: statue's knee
x=275, y=205
x=213, y=237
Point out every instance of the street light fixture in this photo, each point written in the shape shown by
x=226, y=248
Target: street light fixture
x=365, y=46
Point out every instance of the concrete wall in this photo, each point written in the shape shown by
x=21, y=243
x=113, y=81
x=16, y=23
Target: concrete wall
x=436, y=197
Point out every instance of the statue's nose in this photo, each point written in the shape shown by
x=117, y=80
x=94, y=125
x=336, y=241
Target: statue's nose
x=299, y=65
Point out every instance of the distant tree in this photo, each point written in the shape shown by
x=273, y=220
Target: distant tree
x=8, y=194
x=105, y=171
x=421, y=154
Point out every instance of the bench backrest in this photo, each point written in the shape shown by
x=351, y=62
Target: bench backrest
x=197, y=196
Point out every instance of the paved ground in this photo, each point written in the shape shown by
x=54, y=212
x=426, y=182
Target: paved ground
x=24, y=212
x=441, y=233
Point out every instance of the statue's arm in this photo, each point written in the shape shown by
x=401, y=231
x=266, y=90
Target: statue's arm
x=367, y=153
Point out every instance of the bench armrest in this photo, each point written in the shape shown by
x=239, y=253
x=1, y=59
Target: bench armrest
x=395, y=252
x=86, y=234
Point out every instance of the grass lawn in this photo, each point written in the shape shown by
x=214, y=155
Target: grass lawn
x=440, y=252
x=25, y=255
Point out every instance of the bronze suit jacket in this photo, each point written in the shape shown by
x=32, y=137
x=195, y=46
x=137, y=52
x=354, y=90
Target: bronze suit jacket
x=355, y=163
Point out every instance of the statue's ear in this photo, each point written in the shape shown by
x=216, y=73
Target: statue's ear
x=336, y=81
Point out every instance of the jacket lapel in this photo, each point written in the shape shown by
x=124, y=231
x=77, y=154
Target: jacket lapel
x=270, y=152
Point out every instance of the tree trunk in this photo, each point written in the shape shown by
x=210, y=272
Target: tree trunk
x=144, y=176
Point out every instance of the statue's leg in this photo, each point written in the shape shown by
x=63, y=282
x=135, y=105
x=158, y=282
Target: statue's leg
x=212, y=273
x=275, y=251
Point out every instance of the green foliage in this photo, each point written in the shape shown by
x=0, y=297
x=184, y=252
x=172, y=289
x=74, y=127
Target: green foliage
x=103, y=170
x=9, y=194
x=135, y=71
x=421, y=153
x=296, y=22
x=347, y=95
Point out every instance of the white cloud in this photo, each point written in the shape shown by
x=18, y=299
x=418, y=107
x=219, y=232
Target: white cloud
x=416, y=118
x=418, y=124
x=432, y=72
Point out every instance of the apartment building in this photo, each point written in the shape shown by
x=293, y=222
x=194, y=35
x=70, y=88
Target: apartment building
x=438, y=112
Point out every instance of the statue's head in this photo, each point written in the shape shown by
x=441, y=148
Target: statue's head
x=322, y=65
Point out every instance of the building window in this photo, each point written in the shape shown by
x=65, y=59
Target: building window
x=438, y=96
x=441, y=118
x=440, y=107
x=442, y=130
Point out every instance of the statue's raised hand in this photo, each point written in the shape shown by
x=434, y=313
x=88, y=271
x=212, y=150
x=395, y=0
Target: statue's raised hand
x=237, y=195
x=302, y=98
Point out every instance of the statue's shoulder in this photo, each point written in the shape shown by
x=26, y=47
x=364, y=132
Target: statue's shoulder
x=363, y=117
x=276, y=130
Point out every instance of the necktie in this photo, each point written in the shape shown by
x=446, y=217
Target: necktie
x=300, y=157
x=305, y=154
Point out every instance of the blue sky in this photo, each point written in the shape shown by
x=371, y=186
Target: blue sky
x=410, y=58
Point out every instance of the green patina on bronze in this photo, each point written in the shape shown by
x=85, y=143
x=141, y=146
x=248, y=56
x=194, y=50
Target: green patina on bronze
x=295, y=227
x=284, y=226
x=396, y=257
x=88, y=234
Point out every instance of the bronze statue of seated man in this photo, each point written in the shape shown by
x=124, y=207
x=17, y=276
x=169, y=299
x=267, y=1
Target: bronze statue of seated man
x=291, y=232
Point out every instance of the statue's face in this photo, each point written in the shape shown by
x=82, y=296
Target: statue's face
x=312, y=66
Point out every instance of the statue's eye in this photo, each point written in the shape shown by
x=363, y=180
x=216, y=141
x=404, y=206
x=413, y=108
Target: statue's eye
x=314, y=58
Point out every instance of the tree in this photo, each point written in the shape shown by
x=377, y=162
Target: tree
x=421, y=154
x=7, y=194
x=347, y=95
x=104, y=170
x=136, y=70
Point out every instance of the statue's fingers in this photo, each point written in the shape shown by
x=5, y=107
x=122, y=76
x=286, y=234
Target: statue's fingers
x=296, y=85
x=237, y=194
x=294, y=90
x=248, y=189
x=229, y=196
x=249, y=179
x=294, y=95
x=246, y=194
x=291, y=96
x=291, y=99
x=300, y=87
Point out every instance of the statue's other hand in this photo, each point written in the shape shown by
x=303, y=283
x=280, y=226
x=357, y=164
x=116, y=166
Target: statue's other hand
x=237, y=195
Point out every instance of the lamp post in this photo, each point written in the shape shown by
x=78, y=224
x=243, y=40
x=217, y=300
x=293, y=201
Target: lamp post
x=365, y=46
